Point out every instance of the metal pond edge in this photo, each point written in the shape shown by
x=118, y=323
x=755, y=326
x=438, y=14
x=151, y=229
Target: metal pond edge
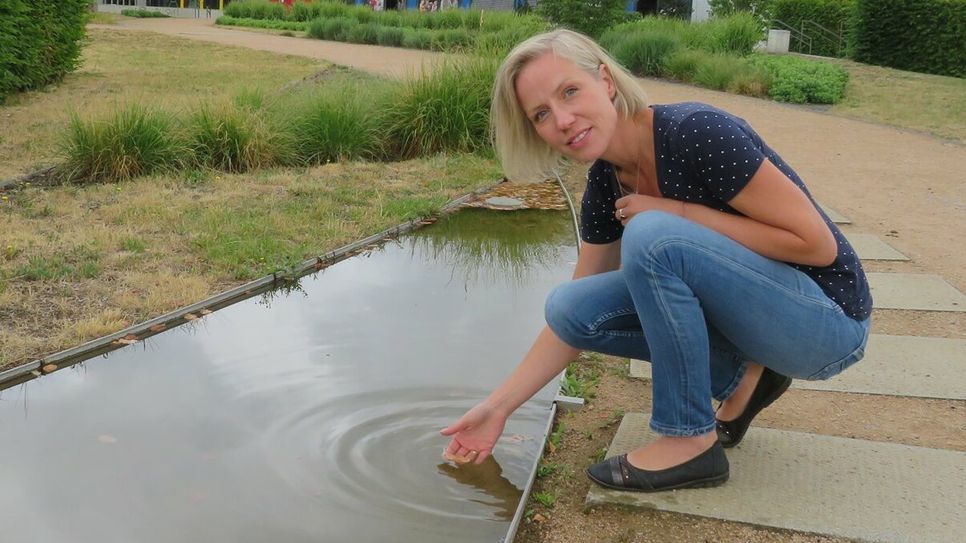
x=524, y=498
x=138, y=332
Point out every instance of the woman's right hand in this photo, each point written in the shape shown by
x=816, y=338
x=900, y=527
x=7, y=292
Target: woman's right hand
x=474, y=435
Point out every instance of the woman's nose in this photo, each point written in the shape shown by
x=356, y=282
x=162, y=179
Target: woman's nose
x=563, y=117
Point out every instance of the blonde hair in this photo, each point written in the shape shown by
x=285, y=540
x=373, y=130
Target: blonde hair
x=523, y=154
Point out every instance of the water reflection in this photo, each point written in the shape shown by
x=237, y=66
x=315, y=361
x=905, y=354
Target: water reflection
x=483, y=246
x=314, y=417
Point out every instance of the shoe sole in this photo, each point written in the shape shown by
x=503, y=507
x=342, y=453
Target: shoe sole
x=768, y=401
x=707, y=482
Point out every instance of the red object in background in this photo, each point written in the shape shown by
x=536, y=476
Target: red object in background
x=286, y=3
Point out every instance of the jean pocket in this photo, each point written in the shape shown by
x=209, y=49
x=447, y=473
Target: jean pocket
x=838, y=366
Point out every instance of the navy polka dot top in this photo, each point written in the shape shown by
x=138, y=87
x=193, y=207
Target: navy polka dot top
x=706, y=156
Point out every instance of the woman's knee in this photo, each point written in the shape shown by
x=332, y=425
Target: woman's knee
x=655, y=233
x=559, y=312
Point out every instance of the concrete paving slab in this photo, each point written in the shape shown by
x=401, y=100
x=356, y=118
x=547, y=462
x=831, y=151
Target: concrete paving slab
x=924, y=367
x=836, y=217
x=871, y=247
x=921, y=291
x=828, y=485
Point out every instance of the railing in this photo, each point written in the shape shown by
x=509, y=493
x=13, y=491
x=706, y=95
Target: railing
x=810, y=34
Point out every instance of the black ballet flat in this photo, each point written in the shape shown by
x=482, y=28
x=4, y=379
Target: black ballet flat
x=770, y=387
x=709, y=468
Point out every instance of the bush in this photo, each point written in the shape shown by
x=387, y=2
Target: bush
x=821, y=20
x=447, y=109
x=364, y=33
x=919, y=35
x=803, y=81
x=389, y=36
x=273, y=24
x=338, y=124
x=335, y=29
x=736, y=34
x=417, y=38
x=256, y=9
x=143, y=13
x=644, y=52
x=135, y=142
x=233, y=139
x=682, y=64
x=717, y=71
x=590, y=17
x=40, y=42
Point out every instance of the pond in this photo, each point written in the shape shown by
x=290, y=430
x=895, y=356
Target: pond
x=306, y=414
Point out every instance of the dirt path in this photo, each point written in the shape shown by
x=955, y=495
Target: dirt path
x=908, y=188
x=389, y=61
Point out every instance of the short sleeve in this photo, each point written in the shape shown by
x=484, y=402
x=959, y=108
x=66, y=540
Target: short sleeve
x=720, y=151
x=597, y=221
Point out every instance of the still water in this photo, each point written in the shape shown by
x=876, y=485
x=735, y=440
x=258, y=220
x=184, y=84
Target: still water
x=310, y=415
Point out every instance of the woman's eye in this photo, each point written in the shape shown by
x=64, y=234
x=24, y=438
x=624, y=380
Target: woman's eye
x=570, y=91
x=539, y=116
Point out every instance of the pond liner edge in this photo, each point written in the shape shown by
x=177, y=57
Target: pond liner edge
x=141, y=331
x=522, y=506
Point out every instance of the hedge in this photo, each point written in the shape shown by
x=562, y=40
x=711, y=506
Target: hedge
x=917, y=35
x=833, y=15
x=40, y=42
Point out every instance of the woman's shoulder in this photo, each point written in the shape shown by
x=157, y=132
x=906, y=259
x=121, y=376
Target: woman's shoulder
x=683, y=112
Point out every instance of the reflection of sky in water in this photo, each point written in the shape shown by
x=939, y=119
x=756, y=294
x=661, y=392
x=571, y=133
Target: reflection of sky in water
x=303, y=417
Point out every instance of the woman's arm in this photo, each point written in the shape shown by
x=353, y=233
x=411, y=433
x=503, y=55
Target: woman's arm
x=780, y=221
x=480, y=428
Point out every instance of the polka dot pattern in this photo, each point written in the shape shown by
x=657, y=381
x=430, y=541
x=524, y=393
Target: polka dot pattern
x=706, y=156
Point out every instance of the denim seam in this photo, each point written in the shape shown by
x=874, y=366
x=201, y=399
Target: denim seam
x=676, y=432
x=660, y=297
x=594, y=327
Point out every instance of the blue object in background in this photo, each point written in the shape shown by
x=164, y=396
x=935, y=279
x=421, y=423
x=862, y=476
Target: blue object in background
x=631, y=5
x=465, y=4
x=412, y=4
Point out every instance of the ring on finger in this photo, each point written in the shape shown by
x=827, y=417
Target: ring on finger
x=620, y=214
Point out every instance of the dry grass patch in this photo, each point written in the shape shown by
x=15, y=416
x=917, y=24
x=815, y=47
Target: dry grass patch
x=931, y=103
x=77, y=262
x=123, y=67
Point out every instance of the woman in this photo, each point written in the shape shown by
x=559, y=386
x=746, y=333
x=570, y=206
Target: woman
x=702, y=252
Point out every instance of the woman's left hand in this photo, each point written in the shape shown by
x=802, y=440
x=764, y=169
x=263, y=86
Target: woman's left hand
x=626, y=207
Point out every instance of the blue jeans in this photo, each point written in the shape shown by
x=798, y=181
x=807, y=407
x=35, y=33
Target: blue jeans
x=699, y=306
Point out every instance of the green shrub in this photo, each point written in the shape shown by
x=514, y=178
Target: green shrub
x=364, y=33
x=390, y=36
x=644, y=52
x=802, y=81
x=233, y=139
x=447, y=109
x=825, y=22
x=717, y=71
x=919, y=35
x=40, y=42
x=143, y=13
x=256, y=9
x=304, y=11
x=417, y=38
x=274, y=24
x=682, y=63
x=335, y=29
x=451, y=39
x=337, y=124
x=136, y=141
x=590, y=17
x=736, y=34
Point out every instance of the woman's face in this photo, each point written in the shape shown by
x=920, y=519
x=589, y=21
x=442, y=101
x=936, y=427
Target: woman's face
x=570, y=109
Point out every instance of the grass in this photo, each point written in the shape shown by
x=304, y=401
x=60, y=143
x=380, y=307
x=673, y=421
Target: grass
x=33, y=121
x=930, y=103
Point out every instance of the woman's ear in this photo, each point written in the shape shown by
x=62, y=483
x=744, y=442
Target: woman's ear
x=603, y=72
